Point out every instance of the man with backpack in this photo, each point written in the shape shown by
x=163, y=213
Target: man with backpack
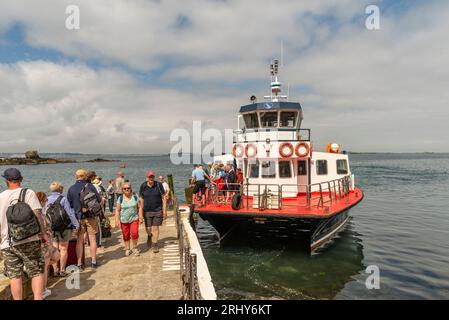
x=21, y=226
x=153, y=208
x=62, y=221
x=86, y=203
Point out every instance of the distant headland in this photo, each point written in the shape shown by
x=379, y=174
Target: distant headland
x=31, y=157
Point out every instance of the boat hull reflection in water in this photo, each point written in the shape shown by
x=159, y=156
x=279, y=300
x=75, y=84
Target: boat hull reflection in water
x=261, y=267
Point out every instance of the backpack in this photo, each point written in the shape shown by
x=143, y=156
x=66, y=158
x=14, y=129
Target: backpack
x=57, y=216
x=120, y=199
x=90, y=206
x=22, y=221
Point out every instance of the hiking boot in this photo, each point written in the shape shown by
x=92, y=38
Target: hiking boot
x=128, y=253
x=156, y=247
x=80, y=267
x=149, y=241
x=136, y=252
x=95, y=265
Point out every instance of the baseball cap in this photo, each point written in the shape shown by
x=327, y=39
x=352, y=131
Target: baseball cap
x=12, y=174
x=150, y=173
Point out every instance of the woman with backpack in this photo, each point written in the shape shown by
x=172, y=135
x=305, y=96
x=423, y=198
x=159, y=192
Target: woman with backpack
x=128, y=218
x=62, y=221
x=51, y=254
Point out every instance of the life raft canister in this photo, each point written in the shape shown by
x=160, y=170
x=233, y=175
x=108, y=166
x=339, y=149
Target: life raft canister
x=251, y=150
x=237, y=150
x=286, y=150
x=302, y=149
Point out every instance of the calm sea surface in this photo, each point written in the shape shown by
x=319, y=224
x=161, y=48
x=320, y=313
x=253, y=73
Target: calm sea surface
x=402, y=227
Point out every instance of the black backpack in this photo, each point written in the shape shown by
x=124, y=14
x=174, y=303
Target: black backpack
x=57, y=216
x=90, y=207
x=22, y=221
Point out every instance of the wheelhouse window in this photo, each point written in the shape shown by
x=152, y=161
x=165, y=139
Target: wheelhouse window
x=268, y=169
x=253, y=169
x=269, y=119
x=321, y=167
x=288, y=119
x=251, y=120
x=342, y=166
x=285, y=170
x=302, y=168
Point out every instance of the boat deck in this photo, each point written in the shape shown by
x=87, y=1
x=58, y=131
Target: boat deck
x=291, y=207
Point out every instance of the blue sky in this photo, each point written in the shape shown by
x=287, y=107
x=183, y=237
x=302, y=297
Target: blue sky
x=148, y=67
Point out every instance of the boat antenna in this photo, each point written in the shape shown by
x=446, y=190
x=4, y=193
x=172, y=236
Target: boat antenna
x=275, y=84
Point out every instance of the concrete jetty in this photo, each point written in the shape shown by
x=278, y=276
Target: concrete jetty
x=177, y=271
x=150, y=276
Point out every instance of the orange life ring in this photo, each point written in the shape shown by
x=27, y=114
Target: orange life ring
x=303, y=153
x=239, y=148
x=282, y=151
x=252, y=146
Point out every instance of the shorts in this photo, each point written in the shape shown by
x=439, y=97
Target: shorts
x=153, y=219
x=66, y=236
x=130, y=230
x=90, y=225
x=200, y=185
x=28, y=255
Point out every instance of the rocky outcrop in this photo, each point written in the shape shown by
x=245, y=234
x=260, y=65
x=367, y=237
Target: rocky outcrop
x=32, y=158
x=32, y=155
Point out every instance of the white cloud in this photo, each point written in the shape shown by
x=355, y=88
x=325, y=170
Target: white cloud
x=380, y=90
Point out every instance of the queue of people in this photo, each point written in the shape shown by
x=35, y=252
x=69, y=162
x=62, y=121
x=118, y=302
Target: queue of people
x=220, y=180
x=52, y=221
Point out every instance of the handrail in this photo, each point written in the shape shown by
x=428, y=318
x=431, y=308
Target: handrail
x=191, y=260
x=326, y=192
x=300, y=134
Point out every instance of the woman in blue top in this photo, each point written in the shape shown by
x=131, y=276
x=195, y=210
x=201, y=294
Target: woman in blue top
x=127, y=217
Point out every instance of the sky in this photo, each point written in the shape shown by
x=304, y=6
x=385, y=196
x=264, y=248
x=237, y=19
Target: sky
x=136, y=70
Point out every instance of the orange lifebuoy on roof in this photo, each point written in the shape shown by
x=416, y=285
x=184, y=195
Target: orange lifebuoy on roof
x=237, y=150
x=251, y=150
x=286, y=150
x=302, y=149
x=333, y=148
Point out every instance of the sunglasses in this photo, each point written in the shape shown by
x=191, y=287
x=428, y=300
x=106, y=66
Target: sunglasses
x=126, y=188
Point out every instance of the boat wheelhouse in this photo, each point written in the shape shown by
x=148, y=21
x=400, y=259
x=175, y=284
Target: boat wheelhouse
x=288, y=188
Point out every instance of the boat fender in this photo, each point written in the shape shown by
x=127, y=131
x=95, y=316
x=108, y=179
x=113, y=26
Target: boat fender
x=236, y=201
x=286, y=150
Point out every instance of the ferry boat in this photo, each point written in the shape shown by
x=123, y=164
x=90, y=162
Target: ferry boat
x=289, y=189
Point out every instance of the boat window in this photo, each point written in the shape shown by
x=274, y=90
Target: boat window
x=302, y=168
x=269, y=119
x=285, y=170
x=253, y=169
x=251, y=120
x=288, y=119
x=321, y=167
x=268, y=169
x=342, y=166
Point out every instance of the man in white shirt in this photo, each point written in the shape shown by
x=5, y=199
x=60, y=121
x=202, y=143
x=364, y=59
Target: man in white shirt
x=165, y=185
x=25, y=253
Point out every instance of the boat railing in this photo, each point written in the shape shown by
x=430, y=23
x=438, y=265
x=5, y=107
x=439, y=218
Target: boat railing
x=275, y=134
x=321, y=193
x=275, y=196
